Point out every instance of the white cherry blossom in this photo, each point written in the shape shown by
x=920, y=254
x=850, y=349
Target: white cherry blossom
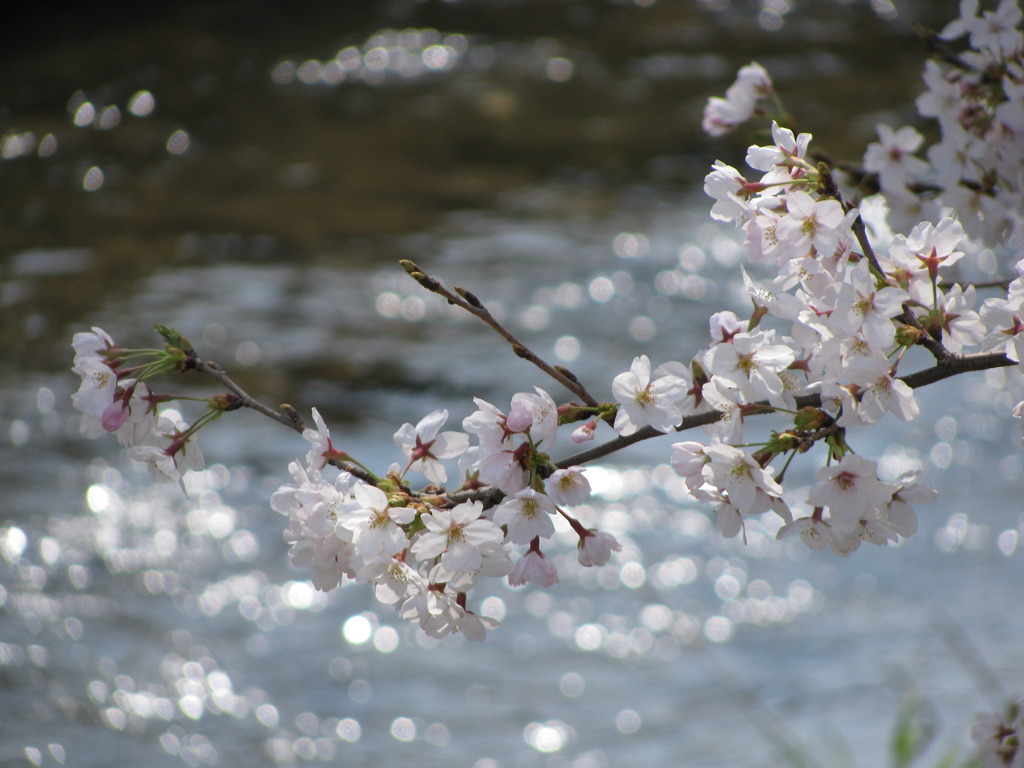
x=167, y=452
x=722, y=115
x=688, y=460
x=751, y=363
x=813, y=531
x=850, y=490
x=527, y=514
x=375, y=525
x=810, y=223
x=424, y=445
x=735, y=472
x=319, y=440
x=892, y=157
x=646, y=402
x=456, y=534
x=568, y=486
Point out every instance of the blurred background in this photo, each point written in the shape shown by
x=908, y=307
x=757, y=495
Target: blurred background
x=250, y=174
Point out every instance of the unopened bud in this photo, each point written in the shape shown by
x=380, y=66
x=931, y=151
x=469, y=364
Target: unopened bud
x=226, y=401
x=470, y=297
x=174, y=339
x=291, y=413
x=810, y=418
x=584, y=433
x=907, y=335
x=426, y=281
x=571, y=412
x=567, y=373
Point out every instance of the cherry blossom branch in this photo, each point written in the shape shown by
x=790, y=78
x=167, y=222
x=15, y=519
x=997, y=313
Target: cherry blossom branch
x=290, y=418
x=952, y=365
x=469, y=302
x=946, y=367
x=926, y=340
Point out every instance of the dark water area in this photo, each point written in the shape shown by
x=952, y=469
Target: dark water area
x=298, y=166
x=251, y=173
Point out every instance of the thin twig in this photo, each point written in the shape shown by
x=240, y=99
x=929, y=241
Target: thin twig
x=861, y=233
x=212, y=369
x=831, y=188
x=469, y=302
x=290, y=418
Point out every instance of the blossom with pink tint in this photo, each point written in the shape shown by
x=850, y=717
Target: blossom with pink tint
x=533, y=567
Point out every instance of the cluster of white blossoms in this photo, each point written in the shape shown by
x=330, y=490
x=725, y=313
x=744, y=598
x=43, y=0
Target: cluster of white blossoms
x=842, y=320
x=423, y=552
x=740, y=103
x=832, y=319
x=977, y=168
x=114, y=398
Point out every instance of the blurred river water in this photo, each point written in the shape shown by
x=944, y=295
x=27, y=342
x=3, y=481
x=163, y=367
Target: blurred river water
x=250, y=174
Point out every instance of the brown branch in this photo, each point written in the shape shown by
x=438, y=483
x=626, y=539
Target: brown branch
x=955, y=365
x=469, y=302
x=950, y=366
x=926, y=340
x=290, y=418
x=213, y=370
x=861, y=233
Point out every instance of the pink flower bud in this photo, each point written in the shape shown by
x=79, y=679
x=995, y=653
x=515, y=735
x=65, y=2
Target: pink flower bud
x=115, y=415
x=584, y=433
x=596, y=548
x=520, y=416
x=534, y=567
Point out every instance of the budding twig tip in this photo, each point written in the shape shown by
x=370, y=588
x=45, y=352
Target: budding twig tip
x=567, y=373
x=469, y=296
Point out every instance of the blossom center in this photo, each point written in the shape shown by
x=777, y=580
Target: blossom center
x=395, y=572
x=863, y=305
x=645, y=397
x=739, y=470
x=422, y=450
x=846, y=481
x=456, y=533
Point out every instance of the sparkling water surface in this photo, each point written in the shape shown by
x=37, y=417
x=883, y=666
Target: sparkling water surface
x=251, y=180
